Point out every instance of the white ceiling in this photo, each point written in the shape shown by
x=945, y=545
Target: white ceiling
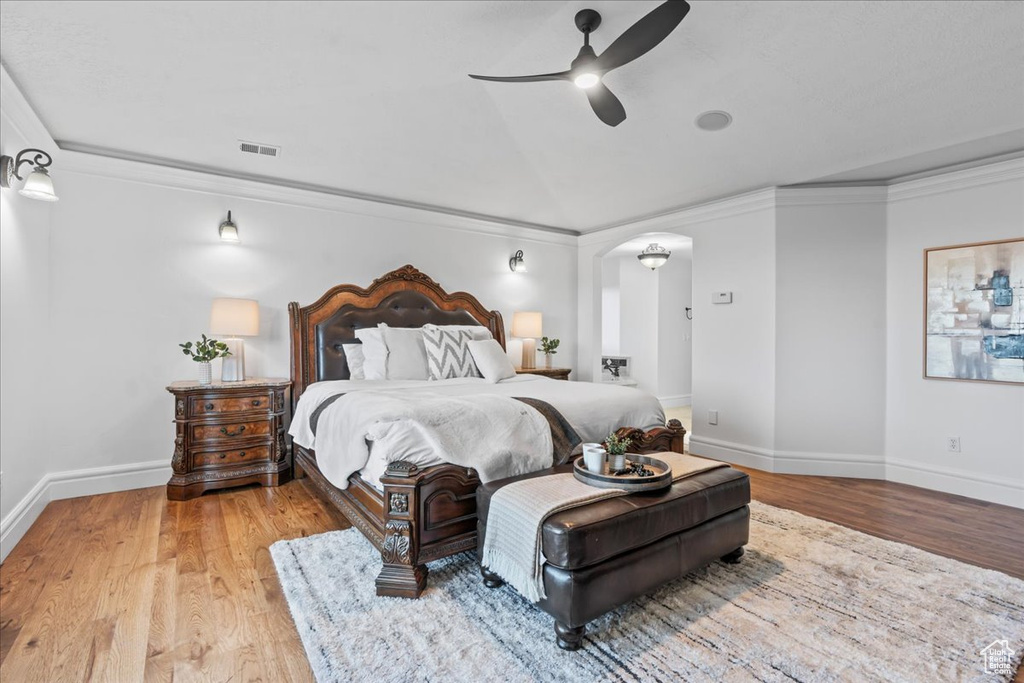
x=372, y=98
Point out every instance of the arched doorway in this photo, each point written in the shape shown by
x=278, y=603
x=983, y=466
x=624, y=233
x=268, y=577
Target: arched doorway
x=646, y=329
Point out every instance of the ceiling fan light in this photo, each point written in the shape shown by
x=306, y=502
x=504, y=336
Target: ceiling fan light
x=586, y=80
x=654, y=256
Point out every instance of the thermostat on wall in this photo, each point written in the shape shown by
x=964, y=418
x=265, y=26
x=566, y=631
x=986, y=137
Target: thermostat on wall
x=721, y=297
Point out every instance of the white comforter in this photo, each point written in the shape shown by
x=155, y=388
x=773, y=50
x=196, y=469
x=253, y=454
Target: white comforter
x=370, y=406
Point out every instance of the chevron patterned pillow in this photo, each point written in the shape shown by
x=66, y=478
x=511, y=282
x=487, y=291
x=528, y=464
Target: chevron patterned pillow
x=448, y=353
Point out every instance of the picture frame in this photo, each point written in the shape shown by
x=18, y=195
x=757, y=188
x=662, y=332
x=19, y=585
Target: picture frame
x=614, y=368
x=974, y=312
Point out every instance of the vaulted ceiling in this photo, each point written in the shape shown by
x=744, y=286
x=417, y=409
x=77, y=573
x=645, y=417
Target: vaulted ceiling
x=372, y=98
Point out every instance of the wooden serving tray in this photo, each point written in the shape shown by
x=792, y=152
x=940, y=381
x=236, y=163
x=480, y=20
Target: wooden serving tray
x=606, y=480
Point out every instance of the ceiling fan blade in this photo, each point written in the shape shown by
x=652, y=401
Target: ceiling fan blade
x=642, y=36
x=606, y=105
x=560, y=76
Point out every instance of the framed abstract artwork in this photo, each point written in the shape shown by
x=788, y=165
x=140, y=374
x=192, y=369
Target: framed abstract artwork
x=974, y=312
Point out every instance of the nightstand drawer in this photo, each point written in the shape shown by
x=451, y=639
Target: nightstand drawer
x=231, y=431
x=199, y=406
x=206, y=459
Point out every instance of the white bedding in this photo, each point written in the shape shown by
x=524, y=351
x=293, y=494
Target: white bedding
x=594, y=410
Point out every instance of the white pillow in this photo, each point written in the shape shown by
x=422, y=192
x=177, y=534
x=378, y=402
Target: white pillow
x=375, y=353
x=356, y=359
x=475, y=331
x=407, y=357
x=491, y=360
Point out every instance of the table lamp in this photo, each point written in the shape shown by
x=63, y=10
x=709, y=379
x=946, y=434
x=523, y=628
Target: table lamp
x=234, y=318
x=527, y=325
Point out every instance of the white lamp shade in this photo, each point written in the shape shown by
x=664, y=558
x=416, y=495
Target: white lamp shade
x=38, y=185
x=526, y=324
x=235, y=317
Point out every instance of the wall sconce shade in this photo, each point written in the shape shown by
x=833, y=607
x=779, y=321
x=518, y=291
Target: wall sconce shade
x=654, y=256
x=516, y=263
x=229, y=231
x=38, y=184
x=528, y=325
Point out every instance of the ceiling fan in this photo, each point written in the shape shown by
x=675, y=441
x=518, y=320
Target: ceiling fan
x=588, y=68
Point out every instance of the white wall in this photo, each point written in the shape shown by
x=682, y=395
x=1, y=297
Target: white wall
x=611, y=312
x=830, y=329
x=26, y=398
x=733, y=345
x=638, y=334
x=972, y=206
x=135, y=265
x=25, y=401
x=675, y=332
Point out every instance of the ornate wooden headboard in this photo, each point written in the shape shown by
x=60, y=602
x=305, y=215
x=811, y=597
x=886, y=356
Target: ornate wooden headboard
x=402, y=298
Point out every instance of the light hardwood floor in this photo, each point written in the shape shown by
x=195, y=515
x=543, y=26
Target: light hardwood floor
x=130, y=587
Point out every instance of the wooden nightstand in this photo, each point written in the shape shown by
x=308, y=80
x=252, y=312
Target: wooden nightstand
x=553, y=373
x=229, y=434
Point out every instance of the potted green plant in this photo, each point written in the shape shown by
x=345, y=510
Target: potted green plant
x=204, y=351
x=616, y=448
x=548, y=346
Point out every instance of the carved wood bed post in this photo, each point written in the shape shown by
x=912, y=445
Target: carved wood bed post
x=402, y=575
x=668, y=438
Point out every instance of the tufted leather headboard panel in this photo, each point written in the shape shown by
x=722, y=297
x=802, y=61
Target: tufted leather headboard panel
x=402, y=298
x=408, y=308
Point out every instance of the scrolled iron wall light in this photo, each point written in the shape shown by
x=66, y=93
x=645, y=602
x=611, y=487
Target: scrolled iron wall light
x=516, y=264
x=38, y=184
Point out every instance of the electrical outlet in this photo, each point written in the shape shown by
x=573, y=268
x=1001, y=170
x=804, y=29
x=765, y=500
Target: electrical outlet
x=953, y=444
x=712, y=417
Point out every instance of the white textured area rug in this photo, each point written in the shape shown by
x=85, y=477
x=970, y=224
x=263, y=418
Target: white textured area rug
x=810, y=601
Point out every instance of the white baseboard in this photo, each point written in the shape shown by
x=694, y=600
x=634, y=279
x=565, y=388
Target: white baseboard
x=959, y=482
x=676, y=401
x=855, y=465
x=20, y=519
x=735, y=453
x=73, y=484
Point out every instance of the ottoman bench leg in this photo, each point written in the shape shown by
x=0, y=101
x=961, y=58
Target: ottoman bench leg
x=734, y=556
x=569, y=638
x=491, y=580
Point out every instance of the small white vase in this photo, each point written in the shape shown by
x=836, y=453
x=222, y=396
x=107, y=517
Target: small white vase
x=617, y=462
x=205, y=373
x=547, y=360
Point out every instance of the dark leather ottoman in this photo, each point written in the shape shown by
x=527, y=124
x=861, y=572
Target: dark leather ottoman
x=604, y=554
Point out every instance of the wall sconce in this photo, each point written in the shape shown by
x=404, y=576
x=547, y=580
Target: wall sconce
x=654, y=256
x=516, y=263
x=38, y=184
x=229, y=231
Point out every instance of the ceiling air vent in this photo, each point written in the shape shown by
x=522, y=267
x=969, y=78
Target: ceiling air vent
x=259, y=148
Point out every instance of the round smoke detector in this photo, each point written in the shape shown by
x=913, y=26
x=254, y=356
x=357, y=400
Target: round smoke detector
x=714, y=120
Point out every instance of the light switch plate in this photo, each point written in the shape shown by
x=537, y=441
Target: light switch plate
x=721, y=297
x=712, y=417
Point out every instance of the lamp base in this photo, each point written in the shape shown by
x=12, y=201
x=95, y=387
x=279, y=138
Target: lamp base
x=529, y=353
x=233, y=367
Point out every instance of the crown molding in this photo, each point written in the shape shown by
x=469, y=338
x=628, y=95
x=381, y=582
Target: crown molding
x=809, y=195
x=76, y=160
x=738, y=205
x=1011, y=169
x=23, y=117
